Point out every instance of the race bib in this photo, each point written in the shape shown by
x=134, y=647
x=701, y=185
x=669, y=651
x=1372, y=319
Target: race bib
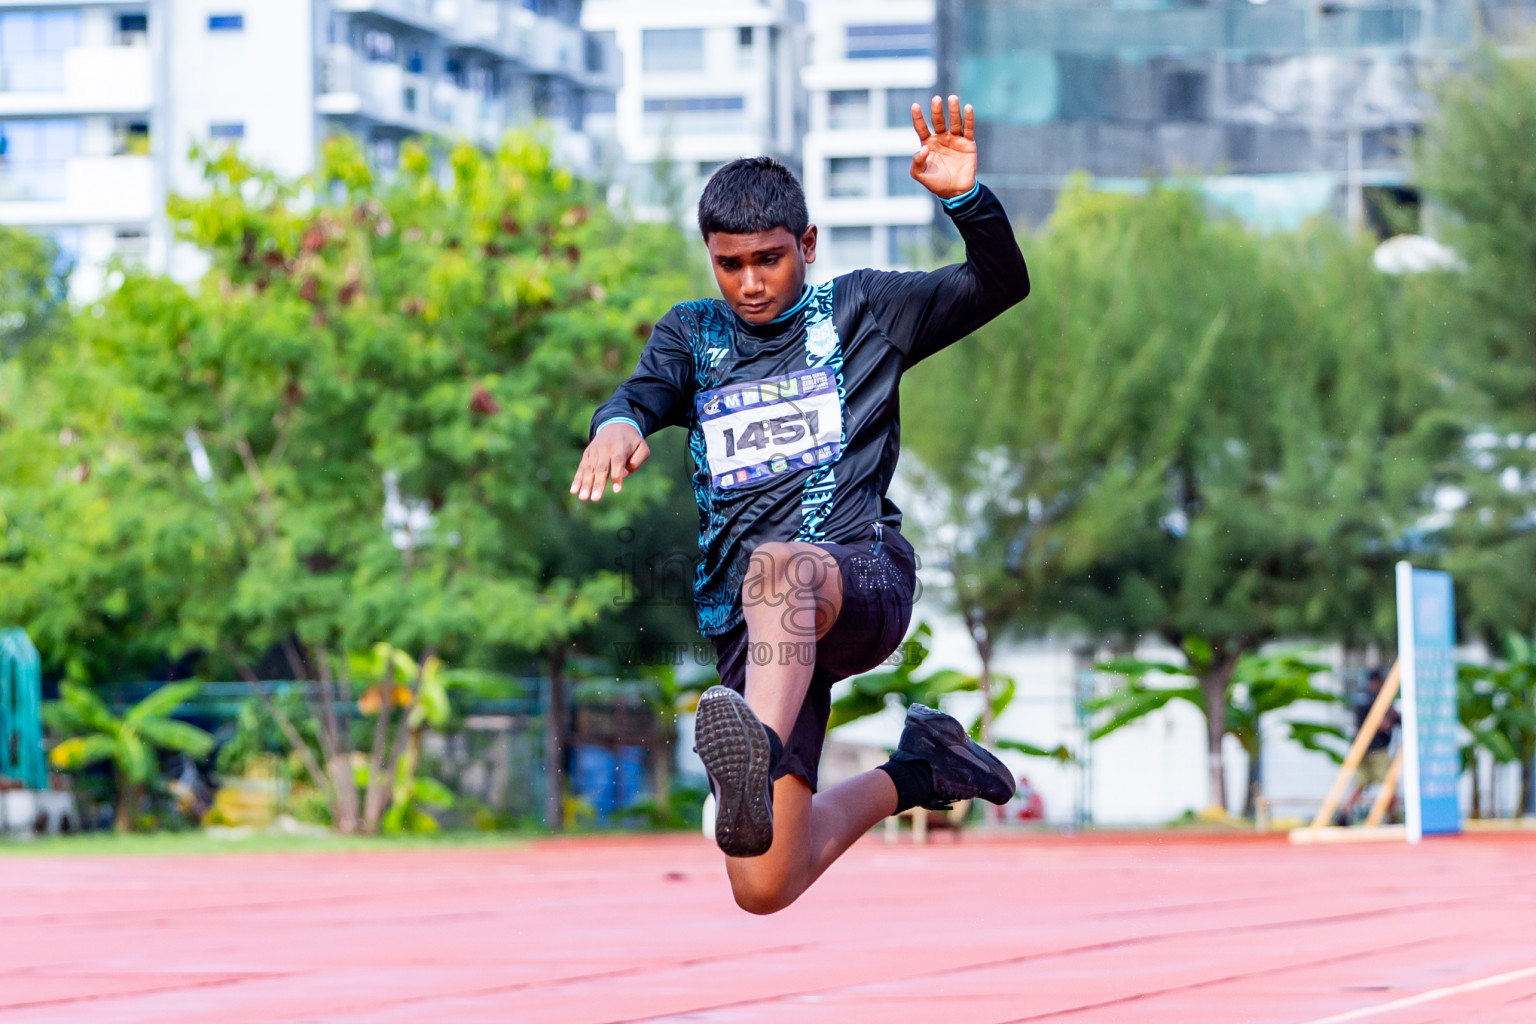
x=766, y=427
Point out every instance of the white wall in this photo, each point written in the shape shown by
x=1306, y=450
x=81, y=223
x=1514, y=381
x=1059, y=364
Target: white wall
x=768, y=82
x=830, y=69
x=262, y=77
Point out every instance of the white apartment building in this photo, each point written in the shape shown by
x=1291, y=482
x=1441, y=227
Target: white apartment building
x=100, y=102
x=870, y=60
x=703, y=84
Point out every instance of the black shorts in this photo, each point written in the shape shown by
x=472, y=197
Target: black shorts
x=879, y=583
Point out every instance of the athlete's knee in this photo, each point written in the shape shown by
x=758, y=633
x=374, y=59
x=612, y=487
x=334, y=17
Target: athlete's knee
x=762, y=896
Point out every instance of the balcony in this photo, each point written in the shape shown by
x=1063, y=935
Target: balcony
x=83, y=80
x=541, y=43
x=355, y=87
x=556, y=49
x=481, y=119
x=603, y=64
x=351, y=85
x=419, y=14
x=82, y=190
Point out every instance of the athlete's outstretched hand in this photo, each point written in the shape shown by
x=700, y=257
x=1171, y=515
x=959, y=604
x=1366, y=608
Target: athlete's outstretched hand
x=946, y=165
x=617, y=451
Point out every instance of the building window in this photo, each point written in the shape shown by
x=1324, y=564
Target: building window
x=226, y=23
x=130, y=139
x=33, y=155
x=898, y=105
x=383, y=154
x=672, y=49
x=602, y=103
x=848, y=108
x=227, y=130
x=32, y=45
x=379, y=47
x=70, y=242
x=910, y=245
x=898, y=177
x=415, y=63
x=132, y=29
x=852, y=246
x=695, y=115
x=1184, y=96
x=848, y=177
x=482, y=81
x=131, y=245
x=871, y=41
x=599, y=46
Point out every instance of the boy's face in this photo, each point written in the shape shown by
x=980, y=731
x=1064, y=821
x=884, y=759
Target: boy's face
x=760, y=275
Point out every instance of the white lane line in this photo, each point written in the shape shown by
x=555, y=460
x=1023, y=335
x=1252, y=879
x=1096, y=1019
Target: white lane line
x=1433, y=995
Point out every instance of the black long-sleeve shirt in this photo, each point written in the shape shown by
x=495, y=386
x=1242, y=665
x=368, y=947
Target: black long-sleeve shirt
x=794, y=426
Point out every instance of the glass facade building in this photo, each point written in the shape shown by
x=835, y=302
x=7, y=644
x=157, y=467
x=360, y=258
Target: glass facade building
x=1281, y=109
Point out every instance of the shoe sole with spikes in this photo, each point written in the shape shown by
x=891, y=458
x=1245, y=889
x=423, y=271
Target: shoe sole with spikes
x=733, y=745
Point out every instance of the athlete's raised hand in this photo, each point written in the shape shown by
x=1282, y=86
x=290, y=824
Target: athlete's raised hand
x=946, y=165
x=617, y=451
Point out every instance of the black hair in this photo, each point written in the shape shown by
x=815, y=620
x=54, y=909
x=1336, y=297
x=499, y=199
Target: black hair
x=750, y=195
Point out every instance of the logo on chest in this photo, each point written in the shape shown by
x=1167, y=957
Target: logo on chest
x=820, y=340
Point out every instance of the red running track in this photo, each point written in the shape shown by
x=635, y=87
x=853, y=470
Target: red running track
x=1135, y=929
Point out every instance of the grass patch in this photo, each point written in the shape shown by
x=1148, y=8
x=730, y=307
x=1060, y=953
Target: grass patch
x=175, y=844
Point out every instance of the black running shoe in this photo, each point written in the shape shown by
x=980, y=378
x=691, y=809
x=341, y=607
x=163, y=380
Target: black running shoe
x=962, y=769
x=733, y=745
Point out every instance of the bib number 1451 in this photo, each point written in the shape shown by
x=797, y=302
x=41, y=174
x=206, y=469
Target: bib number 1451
x=775, y=433
x=761, y=428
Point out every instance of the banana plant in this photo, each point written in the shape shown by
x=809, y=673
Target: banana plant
x=1497, y=706
x=392, y=680
x=870, y=693
x=130, y=742
x=1258, y=685
x=425, y=703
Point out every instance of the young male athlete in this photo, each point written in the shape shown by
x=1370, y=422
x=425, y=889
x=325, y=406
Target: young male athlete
x=789, y=396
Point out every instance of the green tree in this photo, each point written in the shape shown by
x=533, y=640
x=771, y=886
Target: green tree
x=1498, y=708
x=1231, y=455
x=34, y=290
x=872, y=692
x=1070, y=413
x=357, y=429
x=95, y=734
x=1258, y=685
x=1478, y=171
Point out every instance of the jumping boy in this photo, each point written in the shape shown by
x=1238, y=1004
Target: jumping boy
x=789, y=395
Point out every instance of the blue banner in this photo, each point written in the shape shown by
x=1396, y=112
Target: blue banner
x=1426, y=642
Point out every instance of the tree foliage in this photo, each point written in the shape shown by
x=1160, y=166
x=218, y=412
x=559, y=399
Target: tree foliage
x=357, y=429
x=1477, y=164
x=1497, y=707
x=1259, y=685
x=1189, y=430
x=92, y=733
x=33, y=293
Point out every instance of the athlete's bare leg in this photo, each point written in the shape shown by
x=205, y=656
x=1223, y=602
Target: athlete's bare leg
x=791, y=597
x=809, y=833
